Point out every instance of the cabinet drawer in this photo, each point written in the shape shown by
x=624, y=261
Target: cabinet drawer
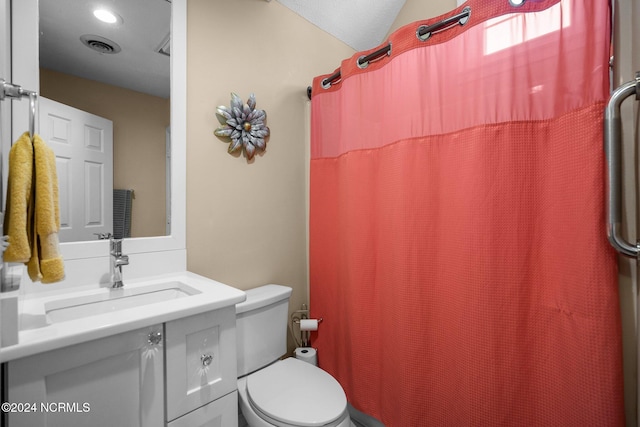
x=200, y=360
x=220, y=413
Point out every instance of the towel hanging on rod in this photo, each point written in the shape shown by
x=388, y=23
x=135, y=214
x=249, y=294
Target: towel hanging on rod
x=32, y=213
x=32, y=216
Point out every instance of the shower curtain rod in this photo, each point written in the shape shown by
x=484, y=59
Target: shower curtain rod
x=424, y=32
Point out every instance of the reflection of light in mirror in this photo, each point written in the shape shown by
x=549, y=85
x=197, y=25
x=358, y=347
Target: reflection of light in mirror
x=106, y=16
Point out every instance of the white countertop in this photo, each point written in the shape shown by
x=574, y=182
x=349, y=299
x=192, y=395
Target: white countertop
x=212, y=295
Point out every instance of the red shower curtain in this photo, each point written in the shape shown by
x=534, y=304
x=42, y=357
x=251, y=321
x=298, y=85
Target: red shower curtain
x=458, y=252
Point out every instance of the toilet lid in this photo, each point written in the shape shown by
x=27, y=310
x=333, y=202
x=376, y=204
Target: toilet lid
x=297, y=393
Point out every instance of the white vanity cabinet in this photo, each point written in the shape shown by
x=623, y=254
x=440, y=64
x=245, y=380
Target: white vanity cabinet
x=219, y=413
x=114, y=381
x=201, y=370
x=181, y=373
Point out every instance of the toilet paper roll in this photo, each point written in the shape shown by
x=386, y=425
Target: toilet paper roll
x=307, y=354
x=309, y=324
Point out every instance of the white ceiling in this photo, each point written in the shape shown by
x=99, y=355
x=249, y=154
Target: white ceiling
x=361, y=24
x=138, y=66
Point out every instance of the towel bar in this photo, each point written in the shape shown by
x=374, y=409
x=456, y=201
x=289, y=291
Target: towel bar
x=16, y=91
x=613, y=150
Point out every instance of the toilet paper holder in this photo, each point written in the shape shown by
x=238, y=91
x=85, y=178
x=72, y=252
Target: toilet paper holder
x=296, y=319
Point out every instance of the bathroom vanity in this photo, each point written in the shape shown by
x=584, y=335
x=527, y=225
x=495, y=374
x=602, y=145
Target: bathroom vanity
x=159, y=352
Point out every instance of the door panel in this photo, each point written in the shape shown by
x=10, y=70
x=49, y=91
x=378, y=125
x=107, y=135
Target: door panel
x=83, y=144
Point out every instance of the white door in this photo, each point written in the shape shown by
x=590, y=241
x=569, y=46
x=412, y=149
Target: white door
x=83, y=144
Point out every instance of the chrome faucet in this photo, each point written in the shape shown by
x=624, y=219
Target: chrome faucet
x=117, y=261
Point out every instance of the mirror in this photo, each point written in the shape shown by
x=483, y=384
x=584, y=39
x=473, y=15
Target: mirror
x=117, y=70
x=25, y=72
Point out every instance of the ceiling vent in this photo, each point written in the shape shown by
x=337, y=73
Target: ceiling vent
x=100, y=44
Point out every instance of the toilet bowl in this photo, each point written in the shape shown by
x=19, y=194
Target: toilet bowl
x=274, y=392
x=292, y=393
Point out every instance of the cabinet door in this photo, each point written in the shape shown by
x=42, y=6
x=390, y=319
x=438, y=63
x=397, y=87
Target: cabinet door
x=219, y=413
x=201, y=360
x=113, y=381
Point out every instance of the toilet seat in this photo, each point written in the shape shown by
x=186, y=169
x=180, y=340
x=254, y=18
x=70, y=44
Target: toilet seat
x=295, y=393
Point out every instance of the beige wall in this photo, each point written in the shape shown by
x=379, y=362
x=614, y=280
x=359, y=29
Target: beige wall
x=246, y=221
x=139, y=123
x=418, y=10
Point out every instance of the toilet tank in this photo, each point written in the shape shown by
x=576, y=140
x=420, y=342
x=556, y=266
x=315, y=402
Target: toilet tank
x=261, y=327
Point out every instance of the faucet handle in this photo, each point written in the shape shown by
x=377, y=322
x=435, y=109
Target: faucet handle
x=103, y=236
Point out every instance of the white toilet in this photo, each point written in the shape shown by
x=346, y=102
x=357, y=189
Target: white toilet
x=273, y=392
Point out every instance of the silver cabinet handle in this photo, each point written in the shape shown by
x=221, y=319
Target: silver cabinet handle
x=154, y=338
x=206, y=359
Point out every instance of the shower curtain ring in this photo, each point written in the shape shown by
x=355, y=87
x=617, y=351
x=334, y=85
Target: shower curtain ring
x=362, y=64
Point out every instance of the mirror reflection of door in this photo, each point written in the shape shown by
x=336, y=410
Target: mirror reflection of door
x=83, y=145
x=119, y=71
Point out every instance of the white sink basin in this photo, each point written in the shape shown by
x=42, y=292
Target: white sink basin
x=95, y=301
x=107, y=300
x=59, y=317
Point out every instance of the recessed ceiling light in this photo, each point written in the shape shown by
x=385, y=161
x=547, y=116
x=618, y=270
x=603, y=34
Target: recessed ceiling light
x=106, y=16
x=516, y=3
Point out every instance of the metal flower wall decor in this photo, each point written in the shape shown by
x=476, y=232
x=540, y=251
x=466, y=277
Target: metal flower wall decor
x=244, y=125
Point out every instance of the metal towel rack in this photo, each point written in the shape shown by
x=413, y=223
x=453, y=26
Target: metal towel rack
x=613, y=150
x=15, y=91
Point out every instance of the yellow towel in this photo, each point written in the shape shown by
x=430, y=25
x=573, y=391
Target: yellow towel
x=19, y=193
x=45, y=253
x=42, y=212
